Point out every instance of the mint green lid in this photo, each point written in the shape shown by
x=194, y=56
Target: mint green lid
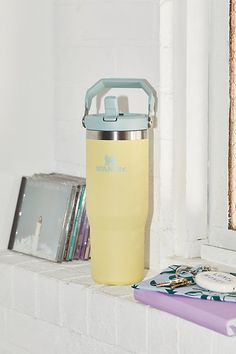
x=112, y=119
x=125, y=122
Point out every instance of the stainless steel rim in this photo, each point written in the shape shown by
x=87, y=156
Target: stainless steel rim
x=117, y=135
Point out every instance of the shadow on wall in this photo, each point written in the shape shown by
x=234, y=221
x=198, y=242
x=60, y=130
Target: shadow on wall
x=123, y=102
x=151, y=187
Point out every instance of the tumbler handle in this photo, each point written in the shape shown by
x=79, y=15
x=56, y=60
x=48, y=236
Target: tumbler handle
x=121, y=83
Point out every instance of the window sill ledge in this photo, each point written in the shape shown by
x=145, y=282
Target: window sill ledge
x=219, y=258
x=61, y=302
x=224, y=258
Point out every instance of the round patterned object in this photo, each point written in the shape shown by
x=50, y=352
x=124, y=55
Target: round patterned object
x=216, y=281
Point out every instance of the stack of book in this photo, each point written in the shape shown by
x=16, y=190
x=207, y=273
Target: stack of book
x=50, y=219
x=216, y=311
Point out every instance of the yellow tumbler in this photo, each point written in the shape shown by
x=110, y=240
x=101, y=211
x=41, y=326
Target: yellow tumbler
x=117, y=174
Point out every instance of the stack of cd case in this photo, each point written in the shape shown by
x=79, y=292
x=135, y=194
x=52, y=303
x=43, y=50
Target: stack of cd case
x=50, y=219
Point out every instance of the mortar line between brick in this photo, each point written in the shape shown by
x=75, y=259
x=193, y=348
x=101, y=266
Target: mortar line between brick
x=213, y=346
x=12, y=301
x=36, y=297
x=116, y=321
x=60, y=302
x=87, y=312
x=178, y=335
x=147, y=328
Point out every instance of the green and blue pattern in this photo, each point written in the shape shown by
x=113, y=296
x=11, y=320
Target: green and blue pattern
x=192, y=290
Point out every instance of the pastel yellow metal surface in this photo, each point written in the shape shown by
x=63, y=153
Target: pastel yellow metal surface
x=117, y=207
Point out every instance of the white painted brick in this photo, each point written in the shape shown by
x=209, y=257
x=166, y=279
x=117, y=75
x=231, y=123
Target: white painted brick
x=107, y=20
x=156, y=21
x=40, y=266
x=117, y=324
x=190, y=333
x=6, y=348
x=76, y=264
x=149, y=273
x=84, y=64
x=6, y=285
x=138, y=61
x=152, y=169
x=124, y=52
x=38, y=337
x=132, y=326
x=118, y=350
x=154, y=249
x=102, y=49
x=154, y=202
x=165, y=116
x=152, y=222
x=223, y=344
x=154, y=151
x=166, y=70
x=167, y=247
x=165, y=222
x=74, y=307
x=6, y=252
x=44, y=338
x=117, y=291
x=70, y=141
x=78, y=268
x=147, y=249
x=71, y=343
x=162, y=332
x=70, y=167
x=15, y=258
x=69, y=102
x=66, y=273
x=47, y=299
x=63, y=2
x=166, y=185
x=74, y=2
x=24, y=291
x=86, y=281
x=166, y=23
x=102, y=317
x=2, y=324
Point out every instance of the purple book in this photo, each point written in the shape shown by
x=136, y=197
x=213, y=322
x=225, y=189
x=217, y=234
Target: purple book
x=216, y=315
x=85, y=231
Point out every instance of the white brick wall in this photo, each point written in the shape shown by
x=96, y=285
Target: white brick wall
x=118, y=39
x=45, y=73
x=27, y=97
x=71, y=314
x=49, y=308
